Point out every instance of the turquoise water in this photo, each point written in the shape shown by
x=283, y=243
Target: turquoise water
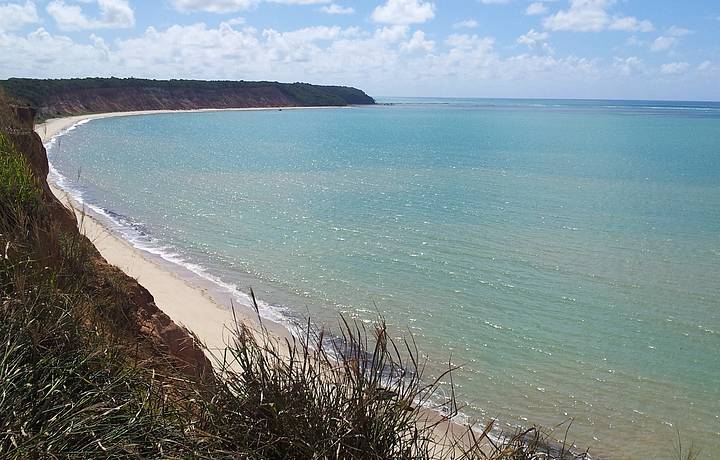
x=566, y=254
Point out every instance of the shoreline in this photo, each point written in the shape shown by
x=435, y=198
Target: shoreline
x=189, y=299
x=186, y=297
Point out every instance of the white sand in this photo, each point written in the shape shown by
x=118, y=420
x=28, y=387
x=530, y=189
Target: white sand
x=187, y=304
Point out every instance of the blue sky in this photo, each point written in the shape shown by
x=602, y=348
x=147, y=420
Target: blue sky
x=633, y=49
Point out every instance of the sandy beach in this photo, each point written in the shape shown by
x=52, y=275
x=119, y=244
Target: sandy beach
x=188, y=304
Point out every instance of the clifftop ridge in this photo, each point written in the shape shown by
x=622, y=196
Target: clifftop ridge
x=65, y=97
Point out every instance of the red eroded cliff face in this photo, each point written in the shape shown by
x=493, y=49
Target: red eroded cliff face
x=137, y=323
x=30, y=145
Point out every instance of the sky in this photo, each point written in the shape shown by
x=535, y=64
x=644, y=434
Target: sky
x=603, y=49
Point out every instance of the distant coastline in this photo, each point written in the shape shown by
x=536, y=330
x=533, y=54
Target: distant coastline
x=69, y=97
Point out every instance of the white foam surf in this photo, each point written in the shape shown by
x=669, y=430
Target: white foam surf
x=134, y=233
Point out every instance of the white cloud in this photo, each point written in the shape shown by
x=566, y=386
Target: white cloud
x=709, y=69
x=631, y=24
x=334, y=8
x=231, y=6
x=313, y=34
x=669, y=40
x=40, y=54
x=195, y=51
x=238, y=21
x=466, y=24
x=536, y=9
x=592, y=16
x=404, y=12
x=299, y=2
x=629, y=66
x=418, y=44
x=634, y=41
x=583, y=16
x=15, y=16
x=113, y=14
x=675, y=31
x=663, y=43
x=212, y=6
x=532, y=38
x=674, y=68
x=391, y=34
x=302, y=45
x=469, y=42
x=549, y=68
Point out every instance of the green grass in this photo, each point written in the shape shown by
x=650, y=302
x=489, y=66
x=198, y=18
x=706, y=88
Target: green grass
x=67, y=396
x=65, y=390
x=21, y=195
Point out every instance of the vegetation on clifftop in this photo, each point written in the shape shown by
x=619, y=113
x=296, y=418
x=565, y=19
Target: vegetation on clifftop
x=73, y=96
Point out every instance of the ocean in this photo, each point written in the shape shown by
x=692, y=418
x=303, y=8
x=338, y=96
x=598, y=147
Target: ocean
x=564, y=254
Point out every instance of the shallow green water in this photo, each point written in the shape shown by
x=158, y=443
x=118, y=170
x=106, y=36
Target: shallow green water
x=565, y=253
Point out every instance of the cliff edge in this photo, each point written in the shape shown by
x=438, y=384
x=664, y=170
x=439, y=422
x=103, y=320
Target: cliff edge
x=132, y=318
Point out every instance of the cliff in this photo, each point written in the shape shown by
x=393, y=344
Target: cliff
x=132, y=318
x=56, y=98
